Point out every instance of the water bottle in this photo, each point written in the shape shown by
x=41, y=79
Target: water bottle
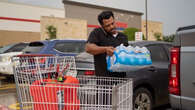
x=123, y=58
x=144, y=52
x=136, y=51
x=147, y=56
x=132, y=59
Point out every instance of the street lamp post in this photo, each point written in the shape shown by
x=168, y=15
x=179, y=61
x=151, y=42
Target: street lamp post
x=146, y=9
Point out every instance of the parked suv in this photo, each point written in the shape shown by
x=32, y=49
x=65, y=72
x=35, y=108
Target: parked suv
x=56, y=47
x=150, y=83
x=182, y=73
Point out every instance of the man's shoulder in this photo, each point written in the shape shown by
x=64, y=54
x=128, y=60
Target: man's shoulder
x=97, y=29
x=122, y=34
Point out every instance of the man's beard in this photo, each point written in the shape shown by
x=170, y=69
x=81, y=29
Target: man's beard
x=113, y=31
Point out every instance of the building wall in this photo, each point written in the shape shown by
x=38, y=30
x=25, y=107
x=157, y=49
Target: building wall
x=153, y=27
x=85, y=11
x=18, y=20
x=67, y=28
x=9, y=37
x=27, y=17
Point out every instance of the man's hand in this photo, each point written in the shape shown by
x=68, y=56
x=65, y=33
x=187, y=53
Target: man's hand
x=110, y=50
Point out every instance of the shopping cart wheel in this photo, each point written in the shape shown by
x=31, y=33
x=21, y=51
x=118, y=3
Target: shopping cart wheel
x=142, y=99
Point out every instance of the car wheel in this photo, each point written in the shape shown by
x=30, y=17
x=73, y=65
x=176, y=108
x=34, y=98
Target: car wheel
x=142, y=99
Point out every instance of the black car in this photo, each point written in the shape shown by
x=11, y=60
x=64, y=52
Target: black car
x=150, y=83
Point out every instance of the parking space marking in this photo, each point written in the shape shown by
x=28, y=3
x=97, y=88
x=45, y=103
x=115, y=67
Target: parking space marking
x=7, y=86
x=16, y=106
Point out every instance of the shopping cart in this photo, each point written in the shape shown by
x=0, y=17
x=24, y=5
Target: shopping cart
x=39, y=87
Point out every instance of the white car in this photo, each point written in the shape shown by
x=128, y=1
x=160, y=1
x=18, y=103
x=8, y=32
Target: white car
x=6, y=66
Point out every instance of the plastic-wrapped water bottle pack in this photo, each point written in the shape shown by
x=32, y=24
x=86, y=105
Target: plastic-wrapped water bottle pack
x=128, y=58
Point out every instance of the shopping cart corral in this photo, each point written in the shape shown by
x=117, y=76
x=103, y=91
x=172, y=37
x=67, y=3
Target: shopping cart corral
x=49, y=83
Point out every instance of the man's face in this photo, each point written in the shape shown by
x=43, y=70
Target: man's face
x=109, y=25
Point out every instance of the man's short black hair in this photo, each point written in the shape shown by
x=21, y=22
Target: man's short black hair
x=104, y=15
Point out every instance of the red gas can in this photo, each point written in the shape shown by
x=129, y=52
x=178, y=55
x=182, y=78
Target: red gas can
x=49, y=94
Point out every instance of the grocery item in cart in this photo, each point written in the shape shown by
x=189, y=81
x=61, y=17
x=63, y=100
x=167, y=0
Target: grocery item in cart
x=128, y=58
x=51, y=95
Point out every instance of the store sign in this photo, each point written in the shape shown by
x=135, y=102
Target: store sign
x=138, y=36
x=121, y=24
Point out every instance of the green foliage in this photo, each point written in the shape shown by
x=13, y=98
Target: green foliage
x=169, y=38
x=144, y=38
x=158, y=36
x=130, y=33
x=51, y=31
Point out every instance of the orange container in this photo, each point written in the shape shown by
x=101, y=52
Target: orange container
x=49, y=94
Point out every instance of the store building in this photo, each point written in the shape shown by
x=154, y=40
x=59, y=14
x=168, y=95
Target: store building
x=21, y=22
x=89, y=12
x=153, y=28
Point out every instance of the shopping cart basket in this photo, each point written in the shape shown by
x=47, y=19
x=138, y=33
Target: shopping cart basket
x=39, y=89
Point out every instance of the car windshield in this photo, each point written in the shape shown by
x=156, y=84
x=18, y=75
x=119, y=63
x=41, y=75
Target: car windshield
x=4, y=48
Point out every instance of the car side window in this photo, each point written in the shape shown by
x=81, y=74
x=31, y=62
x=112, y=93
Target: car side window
x=70, y=47
x=157, y=53
x=168, y=49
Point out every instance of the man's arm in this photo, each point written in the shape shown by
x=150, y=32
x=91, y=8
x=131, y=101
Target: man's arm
x=94, y=49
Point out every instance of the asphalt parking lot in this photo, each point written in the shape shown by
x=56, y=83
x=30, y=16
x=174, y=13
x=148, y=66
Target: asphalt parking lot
x=8, y=96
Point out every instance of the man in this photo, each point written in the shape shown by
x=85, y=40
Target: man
x=102, y=42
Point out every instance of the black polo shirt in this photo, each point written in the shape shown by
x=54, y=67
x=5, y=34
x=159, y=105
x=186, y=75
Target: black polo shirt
x=99, y=37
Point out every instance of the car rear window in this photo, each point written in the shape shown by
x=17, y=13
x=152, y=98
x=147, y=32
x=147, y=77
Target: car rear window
x=34, y=47
x=157, y=53
x=70, y=47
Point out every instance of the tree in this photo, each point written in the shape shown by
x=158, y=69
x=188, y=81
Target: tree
x=169, y=38
x=158, y=36
x=51, y=31
x=130, y=33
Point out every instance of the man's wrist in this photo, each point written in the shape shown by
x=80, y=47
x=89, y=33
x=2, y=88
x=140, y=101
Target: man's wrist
x=105, y=49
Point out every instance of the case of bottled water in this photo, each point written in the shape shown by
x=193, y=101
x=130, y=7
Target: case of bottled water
x=128, y=58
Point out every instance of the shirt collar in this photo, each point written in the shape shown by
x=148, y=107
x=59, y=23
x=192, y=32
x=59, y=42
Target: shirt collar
x=115, y=35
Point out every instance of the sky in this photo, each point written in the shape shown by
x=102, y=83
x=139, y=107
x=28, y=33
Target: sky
x=172, y=13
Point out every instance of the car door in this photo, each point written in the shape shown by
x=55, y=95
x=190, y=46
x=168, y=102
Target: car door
x=159, y=71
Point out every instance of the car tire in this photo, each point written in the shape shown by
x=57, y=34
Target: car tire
x=142, y=99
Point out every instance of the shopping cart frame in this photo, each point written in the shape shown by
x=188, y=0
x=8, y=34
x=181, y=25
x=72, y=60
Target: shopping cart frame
x=114, y=89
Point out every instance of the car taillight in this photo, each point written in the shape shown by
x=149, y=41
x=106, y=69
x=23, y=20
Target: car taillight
x=174, y=72
x=89, y=72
